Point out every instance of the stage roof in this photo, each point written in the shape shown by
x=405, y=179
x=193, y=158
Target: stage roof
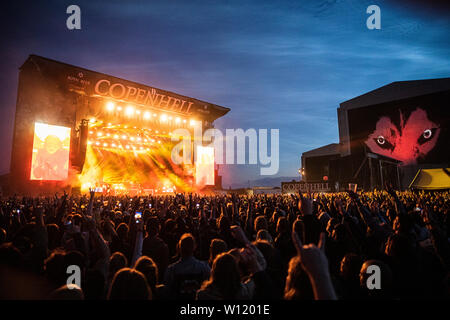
x=398, y=90
x=431, y=179
x=61, y=71
x=329, y=149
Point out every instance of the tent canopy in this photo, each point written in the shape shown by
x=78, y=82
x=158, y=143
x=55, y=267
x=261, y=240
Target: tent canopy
x=431, y=179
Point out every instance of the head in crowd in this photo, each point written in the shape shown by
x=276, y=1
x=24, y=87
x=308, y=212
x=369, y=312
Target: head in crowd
x=129, y=284
x=149, y=269
x=298, y=285
x=225, y=278
x=216, y=247
x=186, y=245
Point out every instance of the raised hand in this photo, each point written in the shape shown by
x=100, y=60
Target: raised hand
x=305, y=204
x=312, y=257
x=239, y=234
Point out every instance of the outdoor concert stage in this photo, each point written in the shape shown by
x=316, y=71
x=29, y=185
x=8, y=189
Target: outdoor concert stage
x=79, y=129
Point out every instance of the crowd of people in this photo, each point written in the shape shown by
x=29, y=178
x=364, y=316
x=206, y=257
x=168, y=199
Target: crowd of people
x=234, y=247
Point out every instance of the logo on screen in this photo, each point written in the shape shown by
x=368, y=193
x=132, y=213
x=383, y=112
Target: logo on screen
x=50, y=159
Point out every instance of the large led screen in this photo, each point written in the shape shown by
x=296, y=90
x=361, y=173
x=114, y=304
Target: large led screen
x=51, y=146
x=413, y=132
x=204, y=166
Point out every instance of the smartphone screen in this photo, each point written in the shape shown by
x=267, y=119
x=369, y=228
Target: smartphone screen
x=138, y=216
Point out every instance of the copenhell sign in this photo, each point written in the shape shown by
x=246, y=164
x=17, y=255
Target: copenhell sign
x=150, y=97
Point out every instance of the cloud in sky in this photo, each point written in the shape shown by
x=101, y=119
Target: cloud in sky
x=276, y=64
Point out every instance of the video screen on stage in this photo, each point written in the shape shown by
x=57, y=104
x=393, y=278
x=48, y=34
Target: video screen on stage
x=50, y=158
x=204, y=166
x=413, y=132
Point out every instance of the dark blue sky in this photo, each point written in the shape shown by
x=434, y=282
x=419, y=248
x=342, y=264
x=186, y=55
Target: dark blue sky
x=276, y=64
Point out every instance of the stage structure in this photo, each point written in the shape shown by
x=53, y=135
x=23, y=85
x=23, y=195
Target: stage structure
x=79, y=129
x=386, y=135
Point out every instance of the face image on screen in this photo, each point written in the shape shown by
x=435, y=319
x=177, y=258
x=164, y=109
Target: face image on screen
x=414, y=137
x=50, y=159
x=204, y=166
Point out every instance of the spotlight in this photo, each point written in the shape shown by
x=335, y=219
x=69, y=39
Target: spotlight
x=113, y=145
x=184, y=120
x=124, y=137
x=192, y=122
x=154, y=114
x=97, y=143
x=92, y=120
x=142, y=148
x=107, y=134
x=91, y=132
x=129, y=111
x=132, y=138
x=138, y=111
x=105, y=144
x=99, y=134
x=177, y=120
x=170, y=118
x=159, y=141
x=139, y=139
x=89, y=142
x=116, y=136
x=110, y=106
x=163, y=117
x=147, y=115
x=119, y=108
x=127, y=146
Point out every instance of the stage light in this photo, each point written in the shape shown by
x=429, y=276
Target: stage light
x=97, y=143
x=147, y=115
x=139, y=139
x=119, y=108
x=145, y=140
x=127, y=146
x=142, y=148
x=177, y=120
x=89, y=142
x=184, y=120
x=99, y=134
x=192, y=122
x=159, y=141
x=116, y=136
x=156, y=131
x=92, y=120
x=154, y=114
x=124, y=137
x=129, y=111
x=110, y=106
x=170, y=118
x=105, y=144
x=132, y=138
x=113, y=145
x=163, y=117
x=91, y=132
x=138, y=111
x=107, y=134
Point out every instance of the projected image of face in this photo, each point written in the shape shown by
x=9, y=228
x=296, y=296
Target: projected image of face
x=52, y=144
x=413, y=138
x=50, y=158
